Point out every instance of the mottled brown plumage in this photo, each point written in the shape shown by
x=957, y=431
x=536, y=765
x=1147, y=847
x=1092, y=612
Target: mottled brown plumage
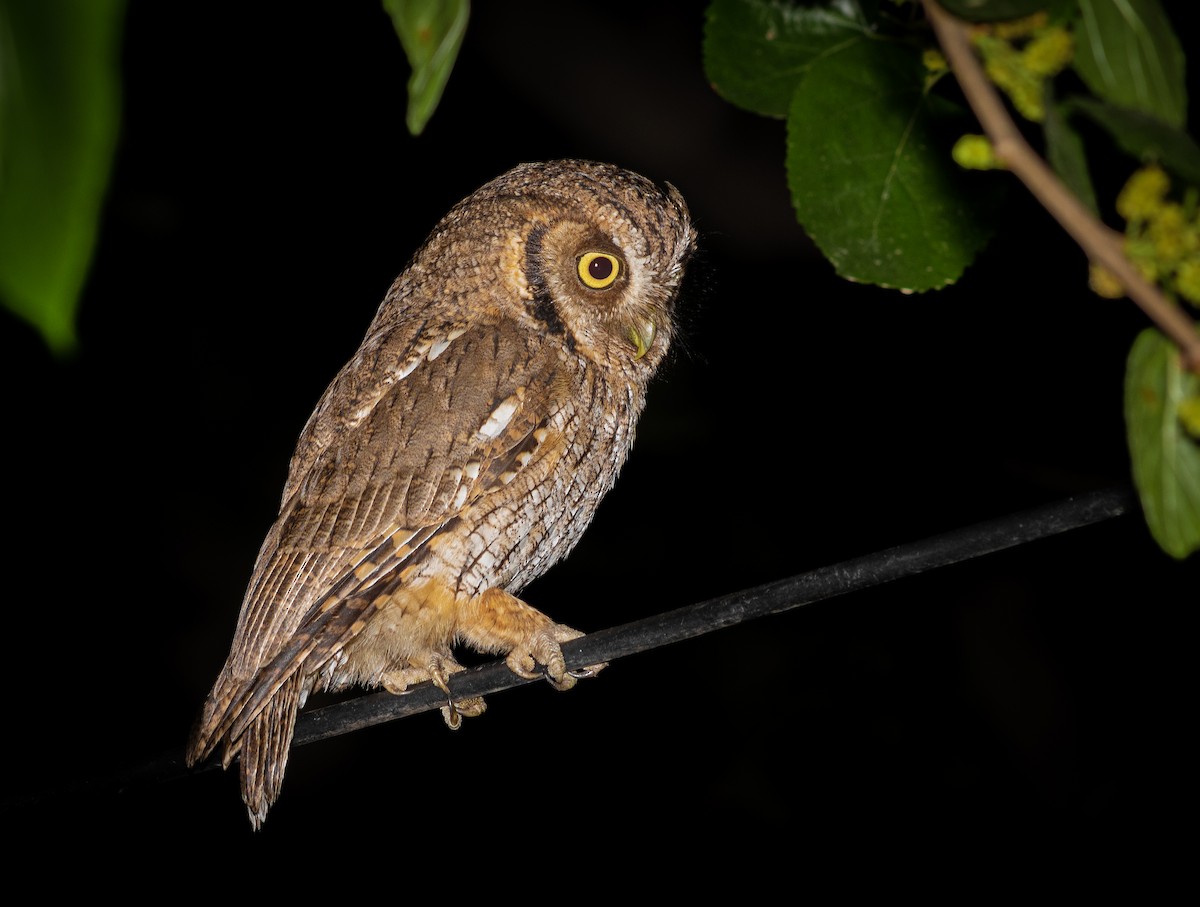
x=460, y=453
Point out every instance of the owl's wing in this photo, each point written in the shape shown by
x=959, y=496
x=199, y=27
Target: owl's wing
x=381, y=468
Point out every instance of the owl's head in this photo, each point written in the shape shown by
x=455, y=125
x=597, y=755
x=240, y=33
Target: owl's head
x=597, y=254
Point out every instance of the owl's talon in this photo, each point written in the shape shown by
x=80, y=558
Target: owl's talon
x=454, y=712
x=589, y=671
x=565, y=682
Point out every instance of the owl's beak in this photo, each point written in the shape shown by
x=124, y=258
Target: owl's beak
x=642, y=337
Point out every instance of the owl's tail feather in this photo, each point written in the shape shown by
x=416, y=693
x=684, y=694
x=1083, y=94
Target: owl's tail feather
x=263, y=750
x=237, y=703
x=261, y=745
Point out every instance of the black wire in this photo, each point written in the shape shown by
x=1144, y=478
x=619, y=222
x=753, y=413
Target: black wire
x=694, y=620
x=773, y=598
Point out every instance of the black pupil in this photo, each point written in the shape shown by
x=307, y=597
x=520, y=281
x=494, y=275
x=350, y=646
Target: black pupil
x=600, y=268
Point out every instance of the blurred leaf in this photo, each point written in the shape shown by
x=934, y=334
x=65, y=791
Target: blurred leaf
x=994, y=10
x=871, y=176
x=59, y=115
x=431, y=32
x=1127, y=53
x=756, y=51
x=1065, y=152
x=1142, y=136
x=1166, y=461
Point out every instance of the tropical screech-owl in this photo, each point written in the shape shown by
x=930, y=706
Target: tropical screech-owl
x=458, y=454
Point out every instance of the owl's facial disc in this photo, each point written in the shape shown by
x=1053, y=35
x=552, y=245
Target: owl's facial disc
x=593, y=283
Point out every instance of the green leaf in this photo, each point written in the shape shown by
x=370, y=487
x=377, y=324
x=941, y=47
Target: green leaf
x=871, y=176
x=431, y=32
x=1065, y=152
x=994, y=10
x=756, y=51
x=59, y=116
x=1144, y=137
x=1166, y=461
x=1127, y=53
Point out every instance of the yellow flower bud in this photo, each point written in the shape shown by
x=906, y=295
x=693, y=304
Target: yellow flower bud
x=1028, y=100
x=1049, y=52
x=1104, y=283
x=1167, y=227
x=934, y=61
x=974, y=152
x=1187, y=280
x=1143, y=193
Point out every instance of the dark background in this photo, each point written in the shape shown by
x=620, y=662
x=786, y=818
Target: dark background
x=1027, y=707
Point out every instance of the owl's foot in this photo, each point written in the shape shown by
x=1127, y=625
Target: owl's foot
x=436, y=668
x=544, y=648
x=497, y=621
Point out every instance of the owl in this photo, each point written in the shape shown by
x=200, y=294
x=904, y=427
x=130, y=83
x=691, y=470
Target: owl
x=460, y=453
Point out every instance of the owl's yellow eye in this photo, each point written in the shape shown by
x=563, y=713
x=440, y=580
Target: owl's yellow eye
x=599, y=270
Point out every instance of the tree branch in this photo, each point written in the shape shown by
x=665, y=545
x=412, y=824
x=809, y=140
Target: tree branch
x=1102, y=245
